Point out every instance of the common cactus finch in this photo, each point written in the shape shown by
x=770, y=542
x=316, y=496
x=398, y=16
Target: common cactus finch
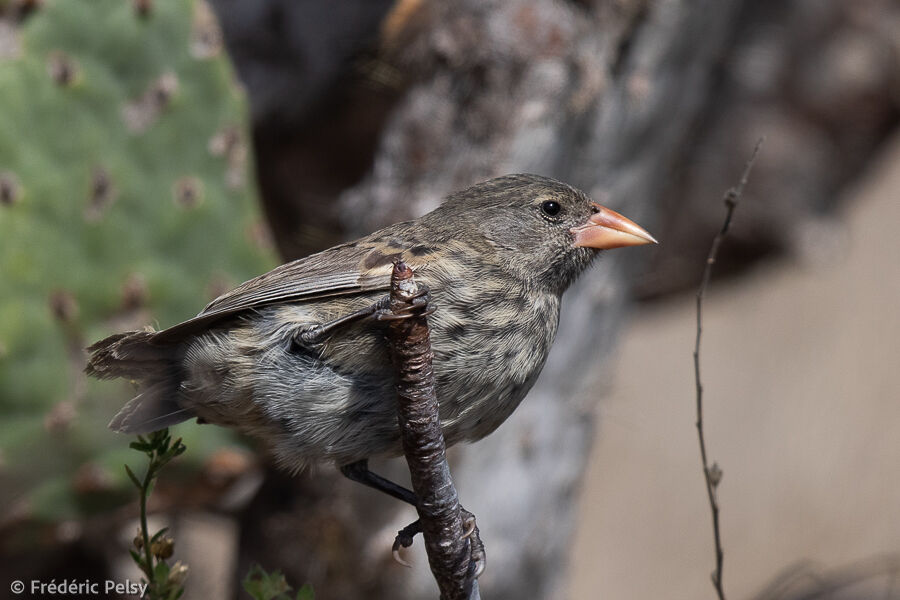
x=297, y=356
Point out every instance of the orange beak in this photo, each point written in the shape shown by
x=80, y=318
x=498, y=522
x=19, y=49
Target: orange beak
x=608, y=229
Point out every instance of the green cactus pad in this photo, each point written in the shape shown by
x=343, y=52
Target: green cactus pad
x=125, y=200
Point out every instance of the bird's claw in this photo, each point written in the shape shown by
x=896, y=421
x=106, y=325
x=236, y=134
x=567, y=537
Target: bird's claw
x=395, y=552
x=421, y=296
x=405, y=313
x=477, y=561
x=469, y=523
x=404, y=539
x=477, y=557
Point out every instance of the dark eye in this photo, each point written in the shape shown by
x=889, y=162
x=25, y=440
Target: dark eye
x=551, y=208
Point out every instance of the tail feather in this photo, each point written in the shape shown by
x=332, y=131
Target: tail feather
x=133, y=355
x=153, y=409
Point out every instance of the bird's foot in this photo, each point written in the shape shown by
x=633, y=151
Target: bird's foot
x=477, y=557
x=316, y=334
x=419, y=306
x=405, y=539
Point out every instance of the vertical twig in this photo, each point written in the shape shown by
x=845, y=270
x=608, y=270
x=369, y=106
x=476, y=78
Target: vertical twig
x=449, y=553
x=713, y=474
x=164, y=582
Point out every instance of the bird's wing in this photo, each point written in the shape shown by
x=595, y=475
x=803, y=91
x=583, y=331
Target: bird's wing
x=343, y=270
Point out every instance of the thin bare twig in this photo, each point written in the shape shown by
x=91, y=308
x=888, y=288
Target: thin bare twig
x=450, y=548
x=713, y=474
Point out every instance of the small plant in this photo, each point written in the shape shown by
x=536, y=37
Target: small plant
x=165, y=582
x=273, y=586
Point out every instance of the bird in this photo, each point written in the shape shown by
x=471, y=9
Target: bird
x=295, y=357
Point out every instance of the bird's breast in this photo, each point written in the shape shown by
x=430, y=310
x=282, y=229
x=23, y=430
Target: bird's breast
x=490, y=342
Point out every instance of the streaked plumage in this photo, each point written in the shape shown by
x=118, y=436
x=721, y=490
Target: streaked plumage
x=496, y=263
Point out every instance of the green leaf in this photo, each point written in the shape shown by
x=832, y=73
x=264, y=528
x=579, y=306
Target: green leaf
x=158, y=534
x=140, y=446
x=306, y=593
x=137, y=558
x=265, y=586
x=133, y=478
x=159, y=440
x=160, y=573
x=178, y=448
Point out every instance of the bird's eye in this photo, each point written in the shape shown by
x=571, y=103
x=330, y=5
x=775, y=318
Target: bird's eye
x=551, y=208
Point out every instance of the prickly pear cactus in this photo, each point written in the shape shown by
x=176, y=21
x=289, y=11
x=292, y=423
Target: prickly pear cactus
x=124, y=200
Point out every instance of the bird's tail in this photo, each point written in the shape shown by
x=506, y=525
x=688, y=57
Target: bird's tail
x=133, y=355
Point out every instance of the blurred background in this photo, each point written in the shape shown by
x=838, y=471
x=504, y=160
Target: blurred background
x=155, y=153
